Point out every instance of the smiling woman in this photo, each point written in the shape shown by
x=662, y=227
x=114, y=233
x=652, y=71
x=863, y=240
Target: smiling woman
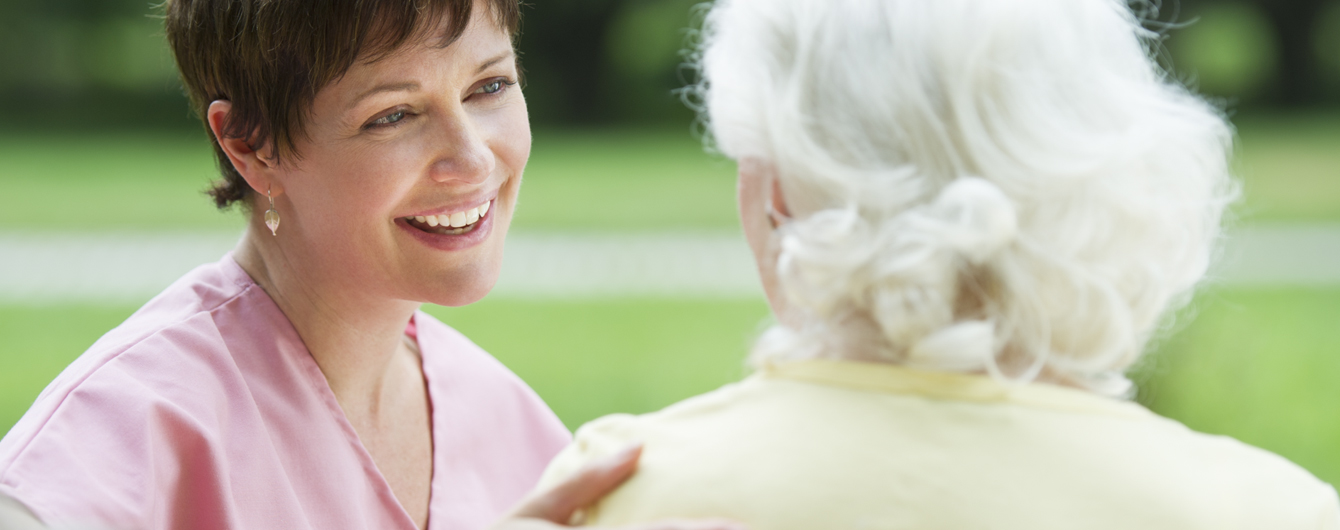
x=432, y=129
x=377, y=148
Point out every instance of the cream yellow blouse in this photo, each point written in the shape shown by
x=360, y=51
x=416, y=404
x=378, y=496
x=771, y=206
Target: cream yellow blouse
x=820, y=445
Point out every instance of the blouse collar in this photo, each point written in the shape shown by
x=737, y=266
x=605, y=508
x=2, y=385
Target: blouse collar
x=949, y=386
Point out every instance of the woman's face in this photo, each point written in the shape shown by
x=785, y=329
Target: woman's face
x=400, y=153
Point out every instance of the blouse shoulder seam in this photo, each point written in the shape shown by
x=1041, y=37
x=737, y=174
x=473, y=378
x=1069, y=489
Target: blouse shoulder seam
x=111, y=357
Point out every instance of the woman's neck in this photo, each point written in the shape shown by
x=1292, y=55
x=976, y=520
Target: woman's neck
x=355, y=337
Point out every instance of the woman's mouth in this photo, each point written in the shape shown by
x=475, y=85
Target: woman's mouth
x=451, y=224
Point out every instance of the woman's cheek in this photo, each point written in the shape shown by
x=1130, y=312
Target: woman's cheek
x=508, y=129
x=379, y=176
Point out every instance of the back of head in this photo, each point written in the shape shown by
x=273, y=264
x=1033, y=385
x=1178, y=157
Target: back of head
x=1012, y=187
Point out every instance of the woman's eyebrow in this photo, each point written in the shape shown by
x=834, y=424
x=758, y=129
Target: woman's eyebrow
x=489, y=63
x=408, y=86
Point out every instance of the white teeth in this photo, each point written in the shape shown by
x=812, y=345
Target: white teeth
x=455, y=220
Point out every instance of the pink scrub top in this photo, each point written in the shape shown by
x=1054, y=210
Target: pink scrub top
x=204, y=411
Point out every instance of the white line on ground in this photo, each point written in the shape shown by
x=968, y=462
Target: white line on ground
x=1281, y=256
x=129, y=268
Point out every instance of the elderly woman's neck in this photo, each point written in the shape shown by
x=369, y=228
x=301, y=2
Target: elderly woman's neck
x=355, y=337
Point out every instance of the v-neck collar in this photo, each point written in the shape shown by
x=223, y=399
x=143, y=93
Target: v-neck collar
x=321, y=387
x=435, y=490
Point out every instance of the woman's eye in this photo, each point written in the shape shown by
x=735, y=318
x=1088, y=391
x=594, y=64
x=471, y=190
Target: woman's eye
x=494, y=87
x=389, y=118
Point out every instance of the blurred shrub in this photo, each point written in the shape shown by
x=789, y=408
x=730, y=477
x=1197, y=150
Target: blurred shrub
x=604, y=61
x=647, y=36
x=86, y=63
x=1228, y=50
x=127, y=53
x=645, y=44
x=1328, y=46
x=104, y=63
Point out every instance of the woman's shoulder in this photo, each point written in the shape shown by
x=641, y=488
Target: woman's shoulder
x=186, y=331
x=1207, y=472
x=171, y=327
x=686, y=420
x=753, y=404
x=164, y=379
x=752, y=438
x=1267, y=489
x=718, y=410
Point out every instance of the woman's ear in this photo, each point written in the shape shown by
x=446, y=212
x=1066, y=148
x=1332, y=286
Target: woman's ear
x=255, y=165
x=779, y=207
x=761, y=191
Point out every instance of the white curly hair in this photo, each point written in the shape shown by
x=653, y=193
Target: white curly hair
x=1014, y=187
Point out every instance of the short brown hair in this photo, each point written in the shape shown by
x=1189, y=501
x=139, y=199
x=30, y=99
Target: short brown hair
x=270, y=58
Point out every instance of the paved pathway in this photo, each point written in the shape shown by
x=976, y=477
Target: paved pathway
x=131, y=267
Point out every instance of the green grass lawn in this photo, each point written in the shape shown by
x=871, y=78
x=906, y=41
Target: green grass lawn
x=584, y=180
x=616, y=180
x=1263, y=366
x=1259, y=366
x=1290, y=168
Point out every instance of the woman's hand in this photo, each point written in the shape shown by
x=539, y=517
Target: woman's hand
x=554, y=508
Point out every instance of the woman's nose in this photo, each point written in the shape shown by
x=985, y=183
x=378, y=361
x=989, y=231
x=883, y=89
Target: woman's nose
x=463, y=155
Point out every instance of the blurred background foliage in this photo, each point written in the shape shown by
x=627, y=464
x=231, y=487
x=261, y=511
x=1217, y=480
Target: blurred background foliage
x=1270, y=53
x=103, y=63
x=96, y=135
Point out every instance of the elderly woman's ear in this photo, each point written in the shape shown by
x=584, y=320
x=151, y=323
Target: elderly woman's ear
x=777, y=210
x=763, y=209
x=761, y=192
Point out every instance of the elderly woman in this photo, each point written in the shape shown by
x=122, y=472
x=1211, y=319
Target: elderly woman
x=969, y=217
x=377, y=148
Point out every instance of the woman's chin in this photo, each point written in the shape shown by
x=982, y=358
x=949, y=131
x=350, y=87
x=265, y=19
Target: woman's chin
x=461, y=289
x=457, y=270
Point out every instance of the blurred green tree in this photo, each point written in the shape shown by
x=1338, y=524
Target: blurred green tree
x=562, y=49
x=1297, y=33
x=77, y=63
x=1229, y=51
x=598, y=61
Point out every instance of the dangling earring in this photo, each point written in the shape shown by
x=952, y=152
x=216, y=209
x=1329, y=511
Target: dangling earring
x=271, y=215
